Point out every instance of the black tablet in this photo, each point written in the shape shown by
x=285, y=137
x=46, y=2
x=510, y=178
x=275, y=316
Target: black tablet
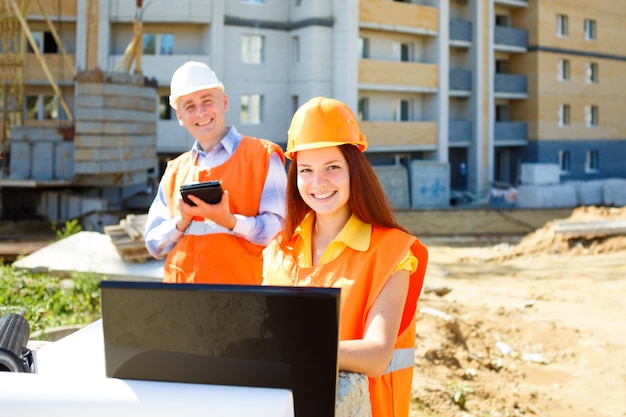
x=209, y=192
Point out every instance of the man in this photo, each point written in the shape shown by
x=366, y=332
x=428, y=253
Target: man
x=215, y=243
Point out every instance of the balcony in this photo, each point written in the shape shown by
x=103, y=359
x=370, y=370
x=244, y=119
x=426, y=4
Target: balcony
x=398, y=16
x=510, y=39
x=511, y=133
x=399, y=136
x=460, y=32
x=513, y=3
x=189, y=11
x=459, y=133
x=61, y=72
x=55, y=9
x=511, y=86
x=460, y=80
x=398, y=76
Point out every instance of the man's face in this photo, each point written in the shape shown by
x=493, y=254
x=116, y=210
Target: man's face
x=203, y=114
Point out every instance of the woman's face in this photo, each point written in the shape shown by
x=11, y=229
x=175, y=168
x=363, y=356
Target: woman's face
x=324, y=181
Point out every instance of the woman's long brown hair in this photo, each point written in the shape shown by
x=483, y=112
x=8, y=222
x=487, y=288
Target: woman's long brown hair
x=367, y=199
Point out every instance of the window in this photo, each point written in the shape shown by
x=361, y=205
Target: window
x=158, y=44
x=149, y=44
x=45, y=43
x=592, y=161
x=166, y=46
x=363, y=108
x=564, y=115
x=402, y=52
x=592, y=72
x=502, y=20
x=501, y=66
x=401, y=110
x=41, y=107
x=565, y=161
x=251, y=109
x=502, y=113
x=561, y=25
x=165, y=110
x=38, y=37
x=295, y=46
x=32, y=107
x=590, y=29
x=563, y=69
x=364, y=47
x=252, y=49
x=405, y=52
x=591, y=116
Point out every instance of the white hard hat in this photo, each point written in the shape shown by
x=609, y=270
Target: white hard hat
x=190, y=77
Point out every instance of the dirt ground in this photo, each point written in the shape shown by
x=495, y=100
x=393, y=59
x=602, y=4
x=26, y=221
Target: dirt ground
x=532, y=326
x=529, y=328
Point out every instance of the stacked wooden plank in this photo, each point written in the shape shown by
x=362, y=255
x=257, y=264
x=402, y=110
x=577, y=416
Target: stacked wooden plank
x=127, y=236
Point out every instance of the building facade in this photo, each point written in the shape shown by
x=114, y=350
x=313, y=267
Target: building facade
x=480, y=86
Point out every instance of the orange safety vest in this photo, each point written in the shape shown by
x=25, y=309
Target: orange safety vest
x=362, y=276
x=220, y=258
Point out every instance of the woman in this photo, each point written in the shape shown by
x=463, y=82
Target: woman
x=340, y=232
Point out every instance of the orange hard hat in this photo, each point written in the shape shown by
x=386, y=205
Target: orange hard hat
x=323, y=122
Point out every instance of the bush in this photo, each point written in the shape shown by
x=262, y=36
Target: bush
x=47, y=301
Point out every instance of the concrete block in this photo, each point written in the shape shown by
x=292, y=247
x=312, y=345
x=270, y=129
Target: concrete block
x=42, y=160
x=49, y=205
x=64, y=161
x=395, y=182
x=353, y=398
x=64, y=207
x=92, y=204
x=589, y=193
x=119, y=115
x=74, y=205
x=546, y=196
x=614, y=192
x=113, y=179
x=540, y=174
x=19, y=166
x=430, y=184
x=36, y=133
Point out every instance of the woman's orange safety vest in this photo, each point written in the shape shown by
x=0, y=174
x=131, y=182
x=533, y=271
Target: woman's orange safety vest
x=220, y=258
x=361, y=277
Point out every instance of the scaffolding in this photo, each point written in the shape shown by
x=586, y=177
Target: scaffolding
x=15, y=34
x=12, y=48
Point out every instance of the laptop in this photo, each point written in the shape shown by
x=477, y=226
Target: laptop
x=261, y=336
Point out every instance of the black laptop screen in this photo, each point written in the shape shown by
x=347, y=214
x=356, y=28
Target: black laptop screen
x=265, y=336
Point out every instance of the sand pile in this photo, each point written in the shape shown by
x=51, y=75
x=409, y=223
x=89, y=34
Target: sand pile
x=547, y=241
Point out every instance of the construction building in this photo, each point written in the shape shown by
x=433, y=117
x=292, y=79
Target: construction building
x=453, y=95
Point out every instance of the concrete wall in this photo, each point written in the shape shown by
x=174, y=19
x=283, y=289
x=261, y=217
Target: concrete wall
x=395, y=182
x=430, y=184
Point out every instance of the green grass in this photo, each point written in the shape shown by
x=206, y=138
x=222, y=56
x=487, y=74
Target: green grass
x=48, y=301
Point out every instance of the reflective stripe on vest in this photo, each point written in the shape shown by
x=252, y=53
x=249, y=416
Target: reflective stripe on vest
x=401, y=359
